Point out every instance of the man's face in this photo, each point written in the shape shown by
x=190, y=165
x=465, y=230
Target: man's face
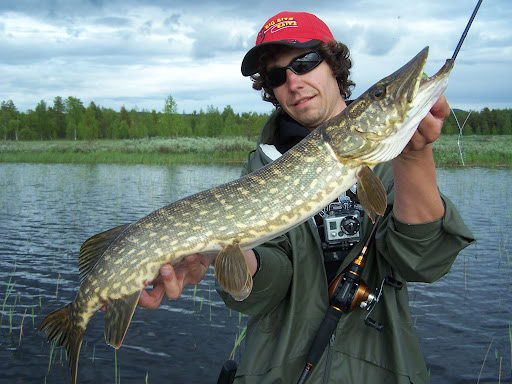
x=311, y=98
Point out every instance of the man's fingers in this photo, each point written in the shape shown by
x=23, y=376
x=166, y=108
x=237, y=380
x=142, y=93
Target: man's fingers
x=441, y=109
x=172, y=279
x=152, y=299
x=167, y=272
x=174, y=286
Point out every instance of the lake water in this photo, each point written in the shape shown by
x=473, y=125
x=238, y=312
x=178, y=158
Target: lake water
x=47, y=211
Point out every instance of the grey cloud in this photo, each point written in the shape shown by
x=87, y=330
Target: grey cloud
x=114, y=21
x=211, y=40
x=146, y=28
x=379, y=44
x=172, y=21
x=80, y=46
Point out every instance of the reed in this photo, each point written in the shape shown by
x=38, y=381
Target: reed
x=238, y=340
x=57, y=288
x=53, y=344
x=12, y=310
x=194, y=294
x=510, y=339
x=21, y=327
x=143, y=151
x=11, y=316
x=8, y=291
x=117, y=371
x=499, y=374
x=485, y=359
x=483, y=151
x=210, y=300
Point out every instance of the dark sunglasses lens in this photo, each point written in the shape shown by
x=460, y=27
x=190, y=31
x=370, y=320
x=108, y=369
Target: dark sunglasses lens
x=275, y=77
x=301, y=65
x=305, y=63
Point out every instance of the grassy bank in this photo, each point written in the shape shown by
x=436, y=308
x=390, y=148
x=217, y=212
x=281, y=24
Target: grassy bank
x=143, y=151
x=481, y=151
x=477, y=151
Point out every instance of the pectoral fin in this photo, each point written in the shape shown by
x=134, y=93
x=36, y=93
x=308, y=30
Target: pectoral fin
x=118, y=317
x=371, y=193
x=232, y=272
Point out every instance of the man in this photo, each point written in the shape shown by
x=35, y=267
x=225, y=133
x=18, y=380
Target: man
x=302, y=70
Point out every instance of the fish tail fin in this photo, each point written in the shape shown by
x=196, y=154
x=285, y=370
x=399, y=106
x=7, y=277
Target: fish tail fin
x=60, y=326
x=232, y=272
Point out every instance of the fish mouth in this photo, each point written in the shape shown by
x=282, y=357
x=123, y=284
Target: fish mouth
x=419, y=94
x=413, y=82
x=437, y=83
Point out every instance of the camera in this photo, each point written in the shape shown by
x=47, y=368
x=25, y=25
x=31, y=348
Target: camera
x=342, y=226
x=341, y=222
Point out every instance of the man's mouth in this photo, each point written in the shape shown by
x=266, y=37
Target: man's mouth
x=302, y=101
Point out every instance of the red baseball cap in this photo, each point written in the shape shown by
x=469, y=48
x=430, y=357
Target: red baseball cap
x=294, y=29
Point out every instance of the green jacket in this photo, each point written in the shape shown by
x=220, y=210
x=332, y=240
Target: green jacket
x=290, y=297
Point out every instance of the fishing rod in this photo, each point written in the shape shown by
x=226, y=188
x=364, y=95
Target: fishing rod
x=346, y=292
x=349, y=290
x=464, y=34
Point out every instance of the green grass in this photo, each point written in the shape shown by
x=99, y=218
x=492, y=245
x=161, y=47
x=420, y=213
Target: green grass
x=478, y=151
x=481, y=151
x=144, y=151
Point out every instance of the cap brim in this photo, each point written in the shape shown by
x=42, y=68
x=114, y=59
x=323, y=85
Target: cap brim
x=250, y=63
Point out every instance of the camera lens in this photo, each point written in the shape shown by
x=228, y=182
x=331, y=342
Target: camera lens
x=350, y=225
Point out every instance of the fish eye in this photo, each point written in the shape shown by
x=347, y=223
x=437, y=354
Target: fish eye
x=379, y=93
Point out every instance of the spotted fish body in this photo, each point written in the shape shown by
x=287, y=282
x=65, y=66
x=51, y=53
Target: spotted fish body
x=237, y=216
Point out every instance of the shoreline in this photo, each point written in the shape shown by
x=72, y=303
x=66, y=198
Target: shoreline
x=478, y=151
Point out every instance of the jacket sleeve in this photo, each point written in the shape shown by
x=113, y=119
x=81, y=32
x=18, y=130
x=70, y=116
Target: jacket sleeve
x=420, y=252
x=270, y=283
x=424, y=252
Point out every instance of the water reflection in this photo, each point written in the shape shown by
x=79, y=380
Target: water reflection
x=47, y=211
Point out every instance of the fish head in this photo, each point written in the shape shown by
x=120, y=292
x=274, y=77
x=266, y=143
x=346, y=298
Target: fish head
x=378, y=125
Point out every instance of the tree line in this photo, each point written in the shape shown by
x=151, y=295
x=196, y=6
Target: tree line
x=70, y=119
x=485, y=122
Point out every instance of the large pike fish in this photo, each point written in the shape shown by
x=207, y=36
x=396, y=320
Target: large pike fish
x=237, y=216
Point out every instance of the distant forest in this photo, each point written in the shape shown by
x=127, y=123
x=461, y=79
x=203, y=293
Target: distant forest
x=70, y=119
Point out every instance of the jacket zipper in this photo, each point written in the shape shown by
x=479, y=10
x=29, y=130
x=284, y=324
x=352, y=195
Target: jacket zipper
x=329, y=358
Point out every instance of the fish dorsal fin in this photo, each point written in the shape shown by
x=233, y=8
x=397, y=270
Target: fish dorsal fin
x=371, y=193
x=118, y=316
x=232, y=272
x=92, y=249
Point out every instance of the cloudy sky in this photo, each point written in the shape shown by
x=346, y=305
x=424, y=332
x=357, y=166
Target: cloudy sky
x=135, y=53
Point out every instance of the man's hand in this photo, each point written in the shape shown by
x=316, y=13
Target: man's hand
x=172, y=280
x=417, y=199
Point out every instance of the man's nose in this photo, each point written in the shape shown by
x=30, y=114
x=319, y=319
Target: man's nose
x=293, y=81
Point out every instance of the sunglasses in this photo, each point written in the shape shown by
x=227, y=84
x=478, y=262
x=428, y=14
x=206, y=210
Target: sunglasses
x=300, y=65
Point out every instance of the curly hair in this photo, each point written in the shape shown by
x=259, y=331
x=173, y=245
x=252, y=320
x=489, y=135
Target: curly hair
x=336, y=54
